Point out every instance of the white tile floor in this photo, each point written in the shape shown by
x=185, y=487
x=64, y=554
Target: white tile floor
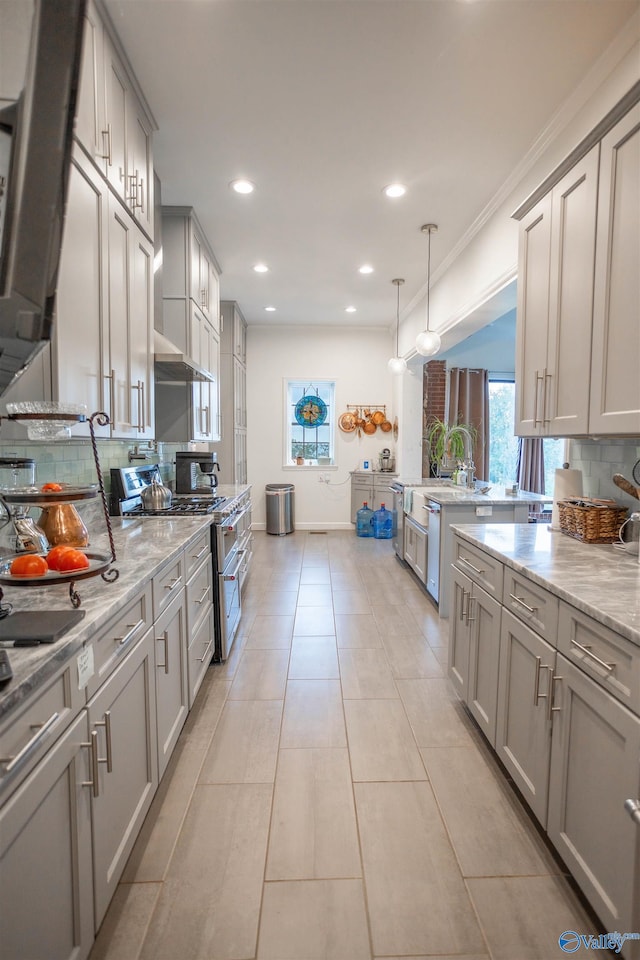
x=329, y=797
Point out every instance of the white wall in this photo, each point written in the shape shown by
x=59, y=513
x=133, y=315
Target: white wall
x=486, y=261
x=357, y=361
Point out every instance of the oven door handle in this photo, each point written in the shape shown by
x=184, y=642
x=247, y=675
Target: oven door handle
x=234, y=574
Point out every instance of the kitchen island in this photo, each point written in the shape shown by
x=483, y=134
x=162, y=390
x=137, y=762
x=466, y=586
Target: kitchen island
x=544, y=649
x=432, y=508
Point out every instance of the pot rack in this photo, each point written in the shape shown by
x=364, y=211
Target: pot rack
x=98, y=563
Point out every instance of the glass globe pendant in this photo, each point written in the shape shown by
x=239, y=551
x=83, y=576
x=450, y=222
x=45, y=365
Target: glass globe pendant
x=397, y=364
x=428, y=342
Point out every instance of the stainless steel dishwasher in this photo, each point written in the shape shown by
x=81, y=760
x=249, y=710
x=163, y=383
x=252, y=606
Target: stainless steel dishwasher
x=433, y=549
x=397, y=490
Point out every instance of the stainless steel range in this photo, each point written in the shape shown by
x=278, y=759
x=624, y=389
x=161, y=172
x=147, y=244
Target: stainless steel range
x=230, y=539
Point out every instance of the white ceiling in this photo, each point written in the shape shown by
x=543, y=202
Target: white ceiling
x=324, y=102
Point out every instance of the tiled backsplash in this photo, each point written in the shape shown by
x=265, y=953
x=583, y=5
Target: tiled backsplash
x=599, y=460
x=72, y=462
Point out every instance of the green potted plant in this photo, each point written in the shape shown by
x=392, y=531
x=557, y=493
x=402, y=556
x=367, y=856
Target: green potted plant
x=449, y=445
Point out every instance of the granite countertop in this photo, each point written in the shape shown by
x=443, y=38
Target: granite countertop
x=142, y=547
x=447, y=494
x=599, y=579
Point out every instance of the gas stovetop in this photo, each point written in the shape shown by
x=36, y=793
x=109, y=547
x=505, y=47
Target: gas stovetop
x=181, y=506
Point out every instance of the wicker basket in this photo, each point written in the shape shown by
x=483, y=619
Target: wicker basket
x=592, y=521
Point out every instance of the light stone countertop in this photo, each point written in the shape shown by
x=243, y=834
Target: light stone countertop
x=142, y=547
x=599, y=579
x=448, y=494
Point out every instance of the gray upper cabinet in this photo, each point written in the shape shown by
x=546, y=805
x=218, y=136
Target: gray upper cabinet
x=615, y=383
x=578, y=336
x=553, y=355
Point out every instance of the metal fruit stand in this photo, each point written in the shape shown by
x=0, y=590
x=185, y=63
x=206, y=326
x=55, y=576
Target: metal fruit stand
x=99, y=564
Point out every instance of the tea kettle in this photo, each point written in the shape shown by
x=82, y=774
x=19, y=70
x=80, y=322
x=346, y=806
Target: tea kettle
x=156, y=496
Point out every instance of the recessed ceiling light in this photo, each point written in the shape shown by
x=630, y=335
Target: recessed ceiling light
x=395, y=190
x=365, y=268
x=261, y=268
x=242, y=186
x=349, y=309
x=270, y=309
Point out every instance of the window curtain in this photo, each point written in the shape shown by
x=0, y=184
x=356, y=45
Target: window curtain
x=469, y=404
x=531, y=464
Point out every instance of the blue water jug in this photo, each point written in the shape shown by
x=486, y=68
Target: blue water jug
x=364, y=521
x=382, y=523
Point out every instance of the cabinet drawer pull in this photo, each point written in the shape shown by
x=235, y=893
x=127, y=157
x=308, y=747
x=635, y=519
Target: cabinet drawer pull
x=128, y=637
x=164, y=639
x=204, y=594
x=172, y=584
x=587, y=651
x=523, y=604
x=44, y=729
x=208, y=646
x=106, y=723
x=469, y=564
x=200, y=553
x=633, y=809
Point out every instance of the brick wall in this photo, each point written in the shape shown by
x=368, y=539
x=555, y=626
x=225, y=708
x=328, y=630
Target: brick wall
x=434, y=399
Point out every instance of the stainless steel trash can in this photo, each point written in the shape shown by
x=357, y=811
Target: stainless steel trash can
x=280, y=501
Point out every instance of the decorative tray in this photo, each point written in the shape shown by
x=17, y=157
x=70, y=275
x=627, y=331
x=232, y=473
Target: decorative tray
x=97, y=563
x=46, y=498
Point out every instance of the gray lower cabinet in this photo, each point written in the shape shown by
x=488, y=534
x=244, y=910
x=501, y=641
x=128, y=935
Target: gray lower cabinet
x=474, y=649
x=415, y=548
x=523, y=733
x=563, y=693
x=172, y=688
x=46, y=882
x=372, y=487
x=122, y=715
x=595, y=767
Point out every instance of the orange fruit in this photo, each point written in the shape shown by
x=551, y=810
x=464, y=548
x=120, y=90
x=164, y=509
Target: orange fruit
x=54, y=555
x=73, y=560
x=28, y=565
x=50, y=486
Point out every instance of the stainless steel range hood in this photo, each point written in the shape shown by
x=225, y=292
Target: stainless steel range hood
x=178, y=368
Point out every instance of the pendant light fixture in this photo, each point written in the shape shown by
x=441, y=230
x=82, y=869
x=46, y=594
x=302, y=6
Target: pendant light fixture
x=397, y=364
x=428, y=342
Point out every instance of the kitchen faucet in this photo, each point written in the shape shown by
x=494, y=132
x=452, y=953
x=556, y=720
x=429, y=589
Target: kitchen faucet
x=468, y=463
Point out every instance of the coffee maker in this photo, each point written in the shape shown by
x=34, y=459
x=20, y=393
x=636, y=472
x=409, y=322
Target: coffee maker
x=387, y=461
x=195, y=472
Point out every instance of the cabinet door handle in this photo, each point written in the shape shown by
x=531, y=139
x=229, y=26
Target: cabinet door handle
x=128, y=637
x=610, y=667
x=106, y=135
x=523, y=604
x=164, y=639
x=469, y=564
x=546, y=377
x=633, y=809
x=552, y=694
x=537, y=696
x=536, y=418
x=463, y=612
x=469, y=618
x=106, y=723
x=43, y=731
x=93, y=747
x=111, y=377
x=140, y=388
